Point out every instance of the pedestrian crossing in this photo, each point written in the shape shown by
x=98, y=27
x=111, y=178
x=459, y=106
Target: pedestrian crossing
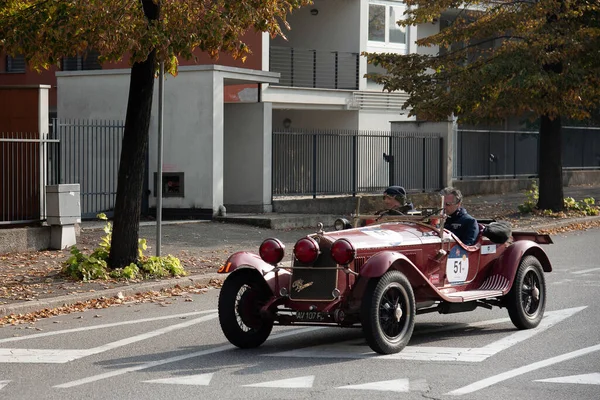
x=400, y=385
x=305, y=382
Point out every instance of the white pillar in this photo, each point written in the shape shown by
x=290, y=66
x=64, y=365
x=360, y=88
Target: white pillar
x=217, y=140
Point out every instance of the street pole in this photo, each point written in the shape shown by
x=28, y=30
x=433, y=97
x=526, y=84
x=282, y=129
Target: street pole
x=159, y=167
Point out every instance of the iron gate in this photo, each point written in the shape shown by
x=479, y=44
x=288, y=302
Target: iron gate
x=88, y=154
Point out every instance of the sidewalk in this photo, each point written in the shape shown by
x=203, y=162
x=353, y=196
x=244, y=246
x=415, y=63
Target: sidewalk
x=32, y=281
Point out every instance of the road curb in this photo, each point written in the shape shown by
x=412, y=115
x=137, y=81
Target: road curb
x=127, y=290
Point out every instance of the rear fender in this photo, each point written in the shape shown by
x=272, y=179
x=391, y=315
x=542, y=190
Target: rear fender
x=509, y=261
x=248, y=260
x=382, y=262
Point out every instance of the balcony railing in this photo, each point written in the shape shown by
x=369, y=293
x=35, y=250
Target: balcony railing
x=315, y=68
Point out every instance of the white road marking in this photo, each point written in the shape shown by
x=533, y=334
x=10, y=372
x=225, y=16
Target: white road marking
x=397, y=385
x=353, y=348
x=91, y=328
x=169, y=360
x=3, y=383
x=482, y=384
x=585, y=271
x=303, y=382
x=198, y=380
x=585, y=379
x=40, y=356
x=64, y=355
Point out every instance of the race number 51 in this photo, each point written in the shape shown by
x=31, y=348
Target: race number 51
x=457, y=265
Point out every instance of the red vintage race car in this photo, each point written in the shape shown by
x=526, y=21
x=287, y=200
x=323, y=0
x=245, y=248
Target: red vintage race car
x=379, y=277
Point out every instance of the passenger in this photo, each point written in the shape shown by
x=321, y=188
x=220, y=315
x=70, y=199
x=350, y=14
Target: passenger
x=458, y=221
x=395, y=201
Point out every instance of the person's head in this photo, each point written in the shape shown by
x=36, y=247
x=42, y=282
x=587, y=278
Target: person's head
x=394, y=196
x=452, y=199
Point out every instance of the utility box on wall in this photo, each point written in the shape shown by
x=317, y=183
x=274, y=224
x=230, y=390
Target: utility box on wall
x=63, y=211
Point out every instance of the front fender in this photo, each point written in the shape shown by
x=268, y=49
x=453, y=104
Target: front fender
x=509, y=261
x=381, y=262
x=246, y=259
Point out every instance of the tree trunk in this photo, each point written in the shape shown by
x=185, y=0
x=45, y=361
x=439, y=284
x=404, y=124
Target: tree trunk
x=132, y=165
x=550, y=165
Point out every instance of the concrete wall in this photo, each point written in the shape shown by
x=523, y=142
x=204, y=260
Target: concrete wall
x=24, y=239
x=333, y=28
x=379, y=120
x=189, y=122
x=315, y=119
x=193, y=138
x=247, y=180
x=423, y=31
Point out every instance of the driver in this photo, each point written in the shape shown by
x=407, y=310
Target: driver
x=459, y=222
x=395, y=201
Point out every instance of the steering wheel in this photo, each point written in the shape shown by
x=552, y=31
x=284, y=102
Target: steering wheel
x=389, y=211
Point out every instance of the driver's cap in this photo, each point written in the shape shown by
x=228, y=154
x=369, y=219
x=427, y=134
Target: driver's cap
x=397, y=192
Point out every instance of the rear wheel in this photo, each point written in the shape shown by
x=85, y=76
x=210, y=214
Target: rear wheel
x=526, y=300
x=388, y=313
x=241, y=298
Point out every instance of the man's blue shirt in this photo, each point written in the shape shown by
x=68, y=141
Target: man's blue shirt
x=463, y=225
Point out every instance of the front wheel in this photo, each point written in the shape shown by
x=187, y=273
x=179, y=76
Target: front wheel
x=388, y=313
x=243, y=294
x=526, y=300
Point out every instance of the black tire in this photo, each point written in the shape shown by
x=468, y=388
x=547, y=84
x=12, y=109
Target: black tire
x=388, y=313
x=243, y=294
x=526, y=300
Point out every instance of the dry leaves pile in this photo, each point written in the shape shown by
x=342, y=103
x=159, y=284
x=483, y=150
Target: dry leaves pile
x=163, y=298
x=579, y=226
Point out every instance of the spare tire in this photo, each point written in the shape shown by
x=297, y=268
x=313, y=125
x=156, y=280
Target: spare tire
x=498, y=232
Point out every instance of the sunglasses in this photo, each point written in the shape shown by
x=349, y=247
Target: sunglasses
x=451, y=204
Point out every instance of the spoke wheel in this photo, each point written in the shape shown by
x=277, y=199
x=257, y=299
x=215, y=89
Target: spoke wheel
x=388, y=313
x=526, y=300
x=243, y=294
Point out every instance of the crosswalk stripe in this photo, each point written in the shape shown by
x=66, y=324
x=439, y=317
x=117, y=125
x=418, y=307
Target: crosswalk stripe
x=396, y=385
x=198, y=380
x=585, y=379
x=302, y=382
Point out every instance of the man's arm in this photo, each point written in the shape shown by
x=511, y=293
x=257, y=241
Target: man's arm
x=470, y=231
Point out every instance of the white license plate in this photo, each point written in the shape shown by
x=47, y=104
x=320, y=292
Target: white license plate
x=311, y=315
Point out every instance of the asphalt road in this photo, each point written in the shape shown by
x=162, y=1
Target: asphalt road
x=175, y=349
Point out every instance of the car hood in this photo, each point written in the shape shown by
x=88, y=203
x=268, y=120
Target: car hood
x=387, y=235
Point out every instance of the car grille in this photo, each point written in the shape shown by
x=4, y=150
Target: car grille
x=317, y=281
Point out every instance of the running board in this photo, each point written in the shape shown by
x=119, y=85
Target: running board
x=470, y=295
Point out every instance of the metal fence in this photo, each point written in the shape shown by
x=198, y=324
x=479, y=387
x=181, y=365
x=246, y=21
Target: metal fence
x=315, y=68
x=488, y=154
x=88, y=154
x=581, y=147
x=326, y=162
x=23, y=173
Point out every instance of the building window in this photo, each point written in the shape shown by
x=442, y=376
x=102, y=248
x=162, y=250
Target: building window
x=15, y=64
x=383, y=24
x=81, y=62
